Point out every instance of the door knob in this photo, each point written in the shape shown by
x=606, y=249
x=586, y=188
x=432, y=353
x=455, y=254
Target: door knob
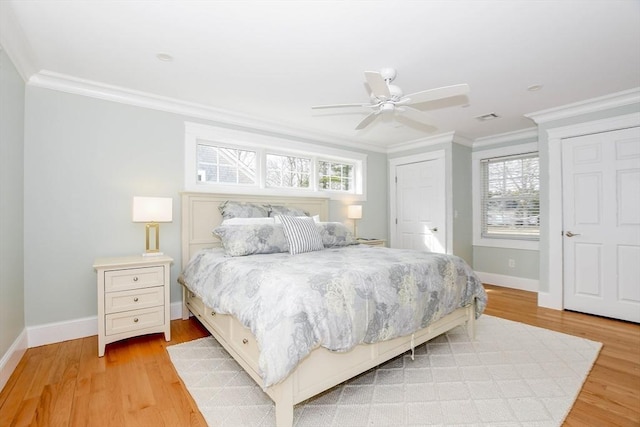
x=434, y=229
x=570, y=234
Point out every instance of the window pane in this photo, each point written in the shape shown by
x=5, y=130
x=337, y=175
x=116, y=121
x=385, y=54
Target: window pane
x=510, y=199
x=288, y=171
x=335, y=176
x=225, y=165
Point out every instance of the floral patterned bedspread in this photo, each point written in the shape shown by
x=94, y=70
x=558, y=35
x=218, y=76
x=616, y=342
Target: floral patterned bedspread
x=336, y=298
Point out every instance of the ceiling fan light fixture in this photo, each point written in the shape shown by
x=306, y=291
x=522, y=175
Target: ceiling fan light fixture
x=385, y=97
x=387, y=106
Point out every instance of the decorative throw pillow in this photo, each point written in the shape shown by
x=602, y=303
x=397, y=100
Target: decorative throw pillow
x=302, y=234
x=231, y=209
x=335, y=234
x=316, y=218
x=249, y=239
x=275, y=210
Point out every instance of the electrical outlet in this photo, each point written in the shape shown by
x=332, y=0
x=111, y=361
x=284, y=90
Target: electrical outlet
x=512, y=263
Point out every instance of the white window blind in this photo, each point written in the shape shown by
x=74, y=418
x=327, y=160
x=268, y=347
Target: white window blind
x=510, y=205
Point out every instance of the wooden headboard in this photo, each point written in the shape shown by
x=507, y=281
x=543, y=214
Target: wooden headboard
x=200, y=215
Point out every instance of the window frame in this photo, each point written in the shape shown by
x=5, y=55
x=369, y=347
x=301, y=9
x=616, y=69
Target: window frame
x=197, y=133
x=477, y=188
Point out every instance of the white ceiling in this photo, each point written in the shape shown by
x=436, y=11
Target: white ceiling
x=273, y=60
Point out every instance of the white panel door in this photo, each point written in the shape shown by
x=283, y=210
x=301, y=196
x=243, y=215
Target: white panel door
x=420, y=206
x=601, y=222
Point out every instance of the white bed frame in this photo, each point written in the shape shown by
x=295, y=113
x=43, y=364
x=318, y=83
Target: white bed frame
x=322, y=369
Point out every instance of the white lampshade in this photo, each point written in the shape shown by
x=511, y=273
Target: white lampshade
x=152, y=209
x=354, y=212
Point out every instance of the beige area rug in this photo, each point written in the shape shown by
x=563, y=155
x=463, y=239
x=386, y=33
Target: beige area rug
x=512, y=374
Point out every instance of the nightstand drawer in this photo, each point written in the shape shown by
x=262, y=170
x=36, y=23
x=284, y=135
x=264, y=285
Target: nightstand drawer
x=133, y=278
x=128, y=321
x=115, y=302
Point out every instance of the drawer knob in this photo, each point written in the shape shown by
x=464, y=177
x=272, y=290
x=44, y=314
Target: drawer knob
x=213, y=313
x=135, y=320
x=135, y=279
x=244, y=341
x=135, y=299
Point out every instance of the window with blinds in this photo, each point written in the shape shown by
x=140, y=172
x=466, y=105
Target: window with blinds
x=511, y=197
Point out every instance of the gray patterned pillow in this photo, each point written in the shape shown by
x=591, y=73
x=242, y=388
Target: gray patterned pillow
x=335, y=234
x=302, y=234
x=249, y=239
x=275, y=210
x=231, y=209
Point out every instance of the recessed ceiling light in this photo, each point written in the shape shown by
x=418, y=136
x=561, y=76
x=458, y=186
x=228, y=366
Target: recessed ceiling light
x=534, y=88
x=164, y=57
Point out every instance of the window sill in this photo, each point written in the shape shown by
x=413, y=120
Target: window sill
x=532, y=245
x=250, y=189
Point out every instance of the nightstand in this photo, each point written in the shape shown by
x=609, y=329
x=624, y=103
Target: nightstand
x=133, y=297
x=373, y=242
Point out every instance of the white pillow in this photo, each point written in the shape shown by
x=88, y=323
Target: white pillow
x=316, y=218
x=245, y=221
x=302, y=234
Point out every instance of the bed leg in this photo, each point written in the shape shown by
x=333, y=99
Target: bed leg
x=284, y=404
x=185, y=308
x=471, y=321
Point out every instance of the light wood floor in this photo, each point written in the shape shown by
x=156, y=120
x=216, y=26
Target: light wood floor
x=66, y=384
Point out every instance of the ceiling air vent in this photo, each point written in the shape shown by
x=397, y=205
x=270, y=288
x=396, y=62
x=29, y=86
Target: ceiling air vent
x=488, y=116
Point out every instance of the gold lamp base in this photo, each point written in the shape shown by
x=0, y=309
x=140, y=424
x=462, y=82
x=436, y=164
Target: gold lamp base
x=155, y=250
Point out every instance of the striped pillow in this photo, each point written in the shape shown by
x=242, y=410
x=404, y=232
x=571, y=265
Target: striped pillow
x=302, y=234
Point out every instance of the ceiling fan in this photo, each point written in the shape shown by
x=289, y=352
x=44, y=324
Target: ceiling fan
x=388, y=99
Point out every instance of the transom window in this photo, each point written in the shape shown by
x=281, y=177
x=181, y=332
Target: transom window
x=223, y=165
x=510, y=204
x=288, y=171
x=336, y=176
x=226, y=160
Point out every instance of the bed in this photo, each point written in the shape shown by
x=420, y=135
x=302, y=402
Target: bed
x=315, y=368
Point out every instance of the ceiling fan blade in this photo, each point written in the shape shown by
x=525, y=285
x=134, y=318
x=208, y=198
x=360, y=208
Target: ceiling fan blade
x=318, y=107
x=368, y=120
x=378, y=86
x=415, y=115
x=438, y=93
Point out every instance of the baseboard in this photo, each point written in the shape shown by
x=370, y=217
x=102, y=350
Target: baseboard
x=77, y=328
x=550, y=300
x=50, y=333
x=12, y=357
x=513, y=282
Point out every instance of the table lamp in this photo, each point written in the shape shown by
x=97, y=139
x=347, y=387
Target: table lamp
x=152, y=210
x=354, y=212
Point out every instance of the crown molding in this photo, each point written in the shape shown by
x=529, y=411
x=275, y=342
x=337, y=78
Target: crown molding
x=14, y=43
x=442, y=138
x=529, y=133
x=618, y=99
x=69, y=84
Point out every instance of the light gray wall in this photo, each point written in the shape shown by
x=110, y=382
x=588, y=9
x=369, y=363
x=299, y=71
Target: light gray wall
x=12, y=318
x=84, y=161
x=462, y=202
x=545, y=185
x=496, y=261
